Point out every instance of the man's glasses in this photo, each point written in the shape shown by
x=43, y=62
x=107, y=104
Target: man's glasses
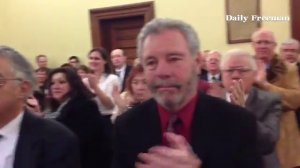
x=239, y=70
x=3, y=81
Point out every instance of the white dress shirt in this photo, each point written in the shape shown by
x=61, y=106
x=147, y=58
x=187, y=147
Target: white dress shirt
x=106, y=84
x=121, y=73
x=8, y=142
x=210, y=77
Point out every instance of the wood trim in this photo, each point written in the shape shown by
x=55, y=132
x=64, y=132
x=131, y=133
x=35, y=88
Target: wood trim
x=145, y=9
x=245, y=40
x=295, y=24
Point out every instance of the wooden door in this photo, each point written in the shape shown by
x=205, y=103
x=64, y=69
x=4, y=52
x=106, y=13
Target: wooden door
x=122, y=33
x=295, y=19
x=117, y=27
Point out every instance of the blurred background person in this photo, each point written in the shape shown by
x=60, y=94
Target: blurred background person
x=135, y=93
x=213, y=67
x=71, y=104
x=42, y=62
x=74, y=61
x=289, y=50
x=119, y=62
x=83, y=71
x=102, y=81
x=203, y=69
x=41, y=76
x=40, y=93
x=275, y=75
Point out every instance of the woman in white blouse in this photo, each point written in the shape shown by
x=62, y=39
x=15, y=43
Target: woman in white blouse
x=102, y=80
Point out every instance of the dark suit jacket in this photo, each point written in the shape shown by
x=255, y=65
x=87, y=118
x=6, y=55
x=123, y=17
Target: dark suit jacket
x=45, y=144
x=223, y=135
x=127, y=71
x=266, y=106
x=83, y=118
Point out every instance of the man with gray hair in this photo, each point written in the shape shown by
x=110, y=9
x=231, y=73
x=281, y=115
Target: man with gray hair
x=275, y=75
x=239, y=69
x=290, y=50
x=181, y=127
x=27, y=141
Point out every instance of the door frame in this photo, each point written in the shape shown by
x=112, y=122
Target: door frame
x=145, y=9
x=294, y=23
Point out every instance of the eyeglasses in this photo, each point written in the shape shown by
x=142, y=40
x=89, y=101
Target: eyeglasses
x=4, y=80
x=239, y=70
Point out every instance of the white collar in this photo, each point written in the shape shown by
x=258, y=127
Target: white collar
x=13, y=127
x=122, y=68
x=216, y=75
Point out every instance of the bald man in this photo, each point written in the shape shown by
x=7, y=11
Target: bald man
x=276, y=76
x=118, y=59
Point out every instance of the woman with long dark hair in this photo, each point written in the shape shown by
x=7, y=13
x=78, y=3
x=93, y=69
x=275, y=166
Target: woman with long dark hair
x=74, y=107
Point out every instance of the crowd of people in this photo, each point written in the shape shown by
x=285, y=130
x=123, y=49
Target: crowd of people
x=174, y=107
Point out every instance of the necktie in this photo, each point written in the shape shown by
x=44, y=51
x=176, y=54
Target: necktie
x=175, y=125
x=118, y=73
x=214, y=79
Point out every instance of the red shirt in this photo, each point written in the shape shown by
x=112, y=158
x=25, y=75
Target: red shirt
x=203, y=86
x=185, y=114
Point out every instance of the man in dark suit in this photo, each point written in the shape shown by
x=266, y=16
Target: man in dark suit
x=239, y=71
x=181, y=127
x=213, y=74
x=27, y=141
x=118, y=59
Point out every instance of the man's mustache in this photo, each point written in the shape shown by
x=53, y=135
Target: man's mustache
x=163, y=83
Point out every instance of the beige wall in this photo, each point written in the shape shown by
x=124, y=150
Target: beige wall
x=62, y=28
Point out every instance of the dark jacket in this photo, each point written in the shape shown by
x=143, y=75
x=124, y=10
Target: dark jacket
x=83, y=117
x=45, y=144
x=223, y=135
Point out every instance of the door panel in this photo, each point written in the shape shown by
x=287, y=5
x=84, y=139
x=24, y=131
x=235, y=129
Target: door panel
x=118, y=26
x=122, y=33
x=295, y=16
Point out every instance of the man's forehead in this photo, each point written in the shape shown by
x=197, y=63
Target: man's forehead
x=5, y=67
x=291, y=45
x=264, y=35
x=42, y=58
x=117, y=52
x=238, y=61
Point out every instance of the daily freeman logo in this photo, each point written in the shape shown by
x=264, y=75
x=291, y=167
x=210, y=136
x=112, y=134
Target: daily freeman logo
x=256, y=18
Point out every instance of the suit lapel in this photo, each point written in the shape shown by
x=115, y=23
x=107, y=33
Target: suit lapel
x=200, y=134
x=151, y=132
x=24, y=153
x=251, y=99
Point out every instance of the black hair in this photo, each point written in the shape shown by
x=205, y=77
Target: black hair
x=74, y=57
x=77, y=87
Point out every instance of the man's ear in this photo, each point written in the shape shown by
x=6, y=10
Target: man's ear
x=25, y=88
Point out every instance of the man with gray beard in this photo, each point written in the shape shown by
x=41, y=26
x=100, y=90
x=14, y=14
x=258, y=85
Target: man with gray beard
x=181, y=127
